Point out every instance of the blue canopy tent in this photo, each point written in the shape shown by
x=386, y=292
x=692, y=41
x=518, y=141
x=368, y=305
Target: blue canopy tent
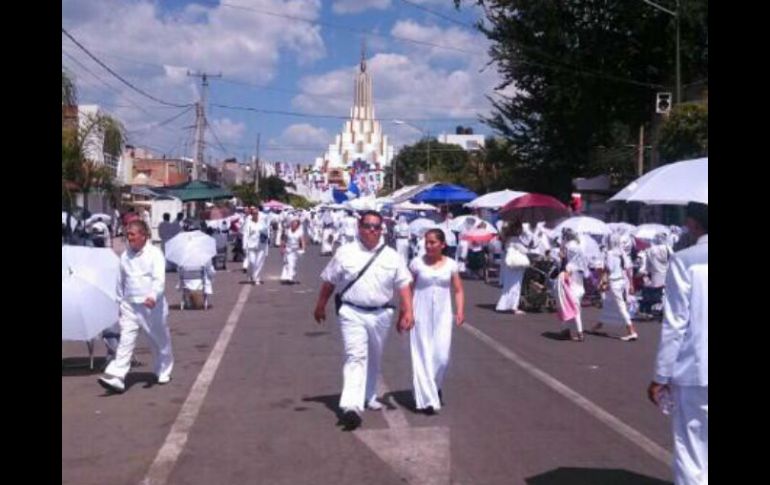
x=445, y=194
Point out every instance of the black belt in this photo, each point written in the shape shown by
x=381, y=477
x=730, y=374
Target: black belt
x=402, y=237
x=369, y=308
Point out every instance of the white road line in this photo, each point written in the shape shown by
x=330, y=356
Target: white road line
x=646, y=444
x=177, y=438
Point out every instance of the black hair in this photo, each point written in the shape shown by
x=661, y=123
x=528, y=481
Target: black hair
x=438, y=233
x=440, y=236
x=166, y=216
x=371, y=213
x=700, y=214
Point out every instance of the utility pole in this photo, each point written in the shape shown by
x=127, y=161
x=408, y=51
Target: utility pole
x=200, y=121
x=256, y=166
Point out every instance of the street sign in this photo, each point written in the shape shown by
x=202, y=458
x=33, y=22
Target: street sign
x=663, y=103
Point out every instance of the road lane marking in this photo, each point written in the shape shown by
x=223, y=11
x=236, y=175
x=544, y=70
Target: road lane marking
x=177, y=438
x=646, y=444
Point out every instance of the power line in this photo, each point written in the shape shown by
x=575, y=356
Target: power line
x=161, y=124
x=327, y=116
x=127, y=83
x=112, y=88
x=211, y=129
x=346, y=28
x=438, y=14
x=439, y=46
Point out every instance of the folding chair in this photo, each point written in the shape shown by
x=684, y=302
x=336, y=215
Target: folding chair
x=192, y=274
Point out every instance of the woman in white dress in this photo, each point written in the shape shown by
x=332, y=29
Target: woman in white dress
x=402, y=238
x=511, y=278
x=614, y=280
x=292, y=247
x=431, y=337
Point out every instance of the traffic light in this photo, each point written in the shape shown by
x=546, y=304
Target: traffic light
x=663, y=103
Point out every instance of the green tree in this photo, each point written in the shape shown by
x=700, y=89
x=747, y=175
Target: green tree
x=246, y=193
x=81, y=174
x=448, y=163
x=685, y=134
x=273, y=188
x=586, y=73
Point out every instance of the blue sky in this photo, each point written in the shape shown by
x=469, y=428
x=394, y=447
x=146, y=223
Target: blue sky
x=295, y=56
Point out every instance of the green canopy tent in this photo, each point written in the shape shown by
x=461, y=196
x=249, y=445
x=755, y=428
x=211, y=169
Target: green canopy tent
x=195, y=191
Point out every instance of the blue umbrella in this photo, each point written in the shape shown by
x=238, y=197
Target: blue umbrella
x=445, y=194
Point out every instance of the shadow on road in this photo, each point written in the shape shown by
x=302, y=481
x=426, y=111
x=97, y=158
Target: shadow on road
x=489, y=306
x=80, y=366
x=331, y=402
x=592, y=476
x=405, y=399
x=554, y=336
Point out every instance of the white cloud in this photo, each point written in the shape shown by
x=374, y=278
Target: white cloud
x=304, y=134
x=456, y=42
x=358, y=6
x=228, y=130
x=443, y=89
x=236, y=41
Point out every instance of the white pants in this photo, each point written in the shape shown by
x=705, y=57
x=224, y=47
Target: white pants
x=289, y=272
x=363, y=336
x=511, y=279
x=278, y=236
x=690, y=422
x=327, y=241
x=402, y=247
x=134, y=316
x=430, y=345
x=256, y=260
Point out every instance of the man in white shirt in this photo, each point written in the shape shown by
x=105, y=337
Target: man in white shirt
x=365, y=315
x=256, y=243
x=681, y=367
x=142, y=306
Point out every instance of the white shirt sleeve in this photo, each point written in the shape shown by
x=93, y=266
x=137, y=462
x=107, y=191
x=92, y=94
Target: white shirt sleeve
x=333, y=271
x=676, y=311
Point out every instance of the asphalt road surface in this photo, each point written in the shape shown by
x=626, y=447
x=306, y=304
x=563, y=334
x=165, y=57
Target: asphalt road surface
x=256, y=383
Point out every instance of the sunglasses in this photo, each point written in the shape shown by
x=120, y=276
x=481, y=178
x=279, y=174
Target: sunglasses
x=372, y=227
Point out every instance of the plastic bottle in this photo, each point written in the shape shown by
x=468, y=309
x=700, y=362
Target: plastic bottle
x=665, y=403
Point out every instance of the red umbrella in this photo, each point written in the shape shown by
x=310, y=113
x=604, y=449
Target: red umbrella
x=478, y=236
x=534, y=208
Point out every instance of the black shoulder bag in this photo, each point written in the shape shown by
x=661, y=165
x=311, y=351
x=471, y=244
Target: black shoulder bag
x=338, y=296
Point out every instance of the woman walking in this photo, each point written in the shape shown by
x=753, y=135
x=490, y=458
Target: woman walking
x=512, y=276
x=292, y=247
x=431, y=337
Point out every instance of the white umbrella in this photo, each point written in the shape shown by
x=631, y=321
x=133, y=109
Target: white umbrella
x=415, y=206
x=648, y=232
x=104, y=217
x=621, y=227
x=191, y=249
x=361, y=204
x=459, y=223
x=584, y=225
x=89, y=281
x=494, y=200
x=419, y=226
x=676, y=184
x=591, y=249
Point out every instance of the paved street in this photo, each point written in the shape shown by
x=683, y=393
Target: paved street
x=522, y=407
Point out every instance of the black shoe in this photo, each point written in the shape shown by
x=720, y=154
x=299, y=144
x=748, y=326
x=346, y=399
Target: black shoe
x=350, y=420
x=430, y=411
